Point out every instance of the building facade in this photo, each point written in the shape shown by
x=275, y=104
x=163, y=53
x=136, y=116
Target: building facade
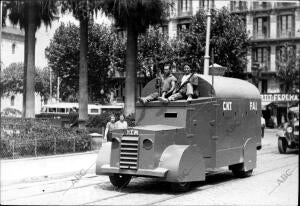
x=270, y=25
x=180, y=15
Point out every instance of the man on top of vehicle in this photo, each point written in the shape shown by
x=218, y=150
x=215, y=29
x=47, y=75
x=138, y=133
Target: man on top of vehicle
x=167, y=84
x=186, y=89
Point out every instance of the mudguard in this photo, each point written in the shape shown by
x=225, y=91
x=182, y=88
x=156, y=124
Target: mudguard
x=103, y=157
x=249, y=154
x=184, y=163
x=280, y=133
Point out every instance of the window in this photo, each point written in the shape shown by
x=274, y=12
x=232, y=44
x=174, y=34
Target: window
x=184, y=5
x=12, y=101
x=261, y=27
x=170, y=115
x=96, y=111
x=13, y=48
x=285, y=25
x=181, y=28
x=61, y=110
x=164, y=30
x=264, y=86
x=261, y=55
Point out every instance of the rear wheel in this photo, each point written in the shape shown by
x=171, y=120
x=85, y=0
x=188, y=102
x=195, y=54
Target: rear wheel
x=120, y=180
x=180, y=186
x=242, y=173
x=239, y=171
x=282, y=145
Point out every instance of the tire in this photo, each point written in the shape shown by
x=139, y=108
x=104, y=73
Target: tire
x=120, y=180
x=179, y=187
x=242, y=173
x=282, y=145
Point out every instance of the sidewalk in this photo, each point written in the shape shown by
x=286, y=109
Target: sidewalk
x=47, y=167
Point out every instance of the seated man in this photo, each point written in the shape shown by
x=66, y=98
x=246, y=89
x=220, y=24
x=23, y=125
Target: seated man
x=186, y=89
x=168, y=84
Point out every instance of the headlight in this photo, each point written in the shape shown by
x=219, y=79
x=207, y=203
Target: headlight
x=289, y=129
x=147, y=144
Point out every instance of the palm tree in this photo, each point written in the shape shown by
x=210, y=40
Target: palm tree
x=82, y=10
x=135, y=16
x=29, y=15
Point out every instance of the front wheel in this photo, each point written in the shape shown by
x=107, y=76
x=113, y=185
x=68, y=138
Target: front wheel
x=120, y=180
x=282, y=145
x=180, y=186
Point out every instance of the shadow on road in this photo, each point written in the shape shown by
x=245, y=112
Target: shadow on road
x=154, y=186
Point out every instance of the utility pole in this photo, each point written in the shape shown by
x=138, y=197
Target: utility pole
x=0, y=33
x=0, y=39
x=206, y=57
x=50, y=85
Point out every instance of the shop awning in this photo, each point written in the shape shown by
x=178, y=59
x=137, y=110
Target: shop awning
x=294, y=109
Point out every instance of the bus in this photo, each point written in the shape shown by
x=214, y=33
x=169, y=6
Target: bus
x=64, y=108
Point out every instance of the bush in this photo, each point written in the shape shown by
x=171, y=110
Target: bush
x=11, y=112
x=30, y=137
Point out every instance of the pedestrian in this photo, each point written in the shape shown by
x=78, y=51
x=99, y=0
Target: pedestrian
x=167, y=83
x=73, y=117
x=263, y=125
x=121, y=123
x=110, y=126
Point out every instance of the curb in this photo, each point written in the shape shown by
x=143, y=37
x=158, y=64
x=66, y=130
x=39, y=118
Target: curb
x=47, y=157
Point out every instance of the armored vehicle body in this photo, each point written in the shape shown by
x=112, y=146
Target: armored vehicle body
x=180, y=141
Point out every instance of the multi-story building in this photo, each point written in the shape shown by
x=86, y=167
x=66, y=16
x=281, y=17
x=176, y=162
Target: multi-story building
x=181, y=12
x=270, y=25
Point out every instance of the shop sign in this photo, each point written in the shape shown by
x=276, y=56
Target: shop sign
x=279, y=97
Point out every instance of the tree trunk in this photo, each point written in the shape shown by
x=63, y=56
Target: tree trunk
x=29, y=62
x=131, y=64
x=83, y=73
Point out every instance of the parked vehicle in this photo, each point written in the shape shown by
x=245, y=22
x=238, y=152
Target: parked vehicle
x=180, y=142
x=288, y=137
x=62, y=109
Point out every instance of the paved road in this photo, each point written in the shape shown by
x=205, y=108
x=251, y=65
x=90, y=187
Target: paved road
x=274, y=182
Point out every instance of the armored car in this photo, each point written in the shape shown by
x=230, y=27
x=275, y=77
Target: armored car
x=181, y=141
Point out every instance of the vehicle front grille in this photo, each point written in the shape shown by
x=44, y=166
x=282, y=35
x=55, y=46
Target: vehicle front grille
x=129, y=152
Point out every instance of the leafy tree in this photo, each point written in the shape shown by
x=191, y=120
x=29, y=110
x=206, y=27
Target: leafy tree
x=288, y=67
x=153, y=48
x=63, y=57
x=12, y=80
x=229, y=40
x=29, y=15
x=134, y=16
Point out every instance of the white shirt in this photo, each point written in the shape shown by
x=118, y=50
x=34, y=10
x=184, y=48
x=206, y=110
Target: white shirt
x=185, y=78
x=262, y=121
x=121, y=125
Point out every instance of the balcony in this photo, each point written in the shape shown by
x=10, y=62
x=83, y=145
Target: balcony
x=185, y=13
x=238, y=6
x=284, y=5
x=261, y=35
x=286, y=34
x=262, y=6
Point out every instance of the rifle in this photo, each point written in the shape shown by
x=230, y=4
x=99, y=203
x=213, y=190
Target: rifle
x=187, y=81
